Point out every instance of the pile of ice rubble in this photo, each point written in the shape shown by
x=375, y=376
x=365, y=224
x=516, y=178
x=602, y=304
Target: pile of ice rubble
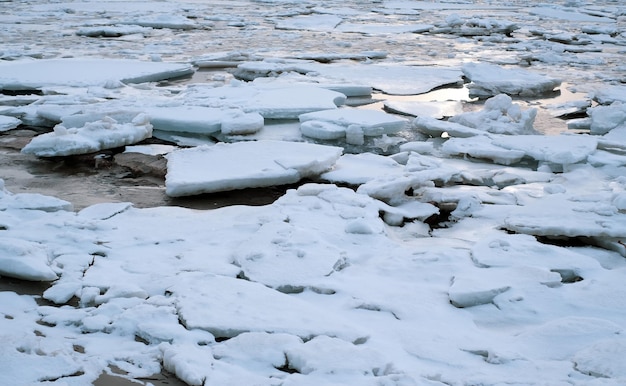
x=328, y=285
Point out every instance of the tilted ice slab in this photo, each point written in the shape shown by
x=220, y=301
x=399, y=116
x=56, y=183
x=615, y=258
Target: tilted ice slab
x=606, y=118
x=94, y=136
x=488, y=79
x=391, y=79
x=36, y=74
x=371, y=122
x=245, y=165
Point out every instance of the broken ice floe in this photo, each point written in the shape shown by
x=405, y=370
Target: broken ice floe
x=253, y=164
x=488, y=80
x=391, y=79
x=92, y=137
x=36, y=74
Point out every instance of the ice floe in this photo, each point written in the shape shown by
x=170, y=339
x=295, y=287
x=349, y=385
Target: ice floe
x=35, y=74
x=253, y=164
x=94, y=136
x=488, y=80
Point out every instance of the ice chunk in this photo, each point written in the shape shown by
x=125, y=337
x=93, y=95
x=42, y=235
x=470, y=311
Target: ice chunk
x=561, y=149
x=372, y=122
x=25, y=260
x=94, y=136
x=245, y=165
x=189, y=119
x=8, y=123
x=488, y=79
x=35, y=74
x=614, y=139
x=322, y=130
x=501, y=116
x=606, y=118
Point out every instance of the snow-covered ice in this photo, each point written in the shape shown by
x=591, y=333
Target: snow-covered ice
x=488, y=79
x=35, y=74
x=419, y=238
x=245, y=165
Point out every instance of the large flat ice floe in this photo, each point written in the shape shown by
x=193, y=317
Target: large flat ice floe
x=102, y=134
x=391, y=79
x=245, y=165
x=36, y=74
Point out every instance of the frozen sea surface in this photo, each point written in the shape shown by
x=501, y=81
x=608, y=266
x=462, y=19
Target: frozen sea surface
x=452, y=206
